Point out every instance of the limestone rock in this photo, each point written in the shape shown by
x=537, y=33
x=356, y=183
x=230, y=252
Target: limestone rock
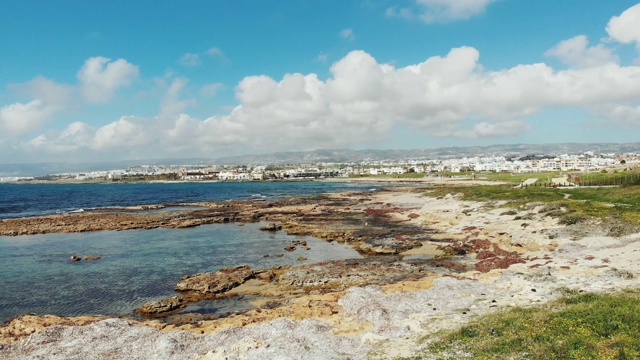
x=216, y=282
x=271, y=227
x=162, y=307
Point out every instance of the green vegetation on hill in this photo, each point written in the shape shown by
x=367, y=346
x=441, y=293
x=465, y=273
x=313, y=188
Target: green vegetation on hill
x=585, y=326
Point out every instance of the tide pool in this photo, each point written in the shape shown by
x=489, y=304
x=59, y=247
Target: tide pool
x=137, y=266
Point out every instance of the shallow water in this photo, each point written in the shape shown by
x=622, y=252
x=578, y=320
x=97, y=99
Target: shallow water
x=136, y=266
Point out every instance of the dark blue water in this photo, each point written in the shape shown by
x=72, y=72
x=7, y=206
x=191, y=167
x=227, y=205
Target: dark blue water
x=19, y=200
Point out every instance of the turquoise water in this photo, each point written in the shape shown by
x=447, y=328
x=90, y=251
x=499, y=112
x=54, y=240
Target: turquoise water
x=136, y=266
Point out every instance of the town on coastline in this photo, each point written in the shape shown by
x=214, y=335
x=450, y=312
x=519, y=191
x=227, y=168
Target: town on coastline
x=584, y=162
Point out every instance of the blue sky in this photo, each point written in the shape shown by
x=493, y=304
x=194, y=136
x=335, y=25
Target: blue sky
x=113, y=80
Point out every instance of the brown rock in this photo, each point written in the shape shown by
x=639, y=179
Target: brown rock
x=497, y=262
x=266, y=275
x=217, y=282
x=271, y=227
x=289, y=248
x=162, y=307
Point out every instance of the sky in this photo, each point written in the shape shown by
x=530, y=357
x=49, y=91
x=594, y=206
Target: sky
x=109, y=80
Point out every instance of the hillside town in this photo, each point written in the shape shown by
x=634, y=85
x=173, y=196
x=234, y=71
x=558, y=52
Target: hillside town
x=585, y=162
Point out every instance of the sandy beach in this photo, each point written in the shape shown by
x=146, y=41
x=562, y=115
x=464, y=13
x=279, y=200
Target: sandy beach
x=444, y=262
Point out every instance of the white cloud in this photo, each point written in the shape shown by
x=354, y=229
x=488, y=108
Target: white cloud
x=625, y=28
x=211, y=90
x=49, y=97
x=494, y=130
x=576, y=52
x=19, y=118
x=625, y=115
x=46, y=90
x=433, y=11
x=75, y=137
x=100, y=78
x=190, y=59
x=214, y=51
x=322, y=57
x=217, y=53
x=126, y=133
x=362, y=102
x=172, y=105
x=348, y=34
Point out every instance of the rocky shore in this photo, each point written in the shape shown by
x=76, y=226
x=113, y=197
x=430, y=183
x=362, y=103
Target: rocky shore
x=430, y=264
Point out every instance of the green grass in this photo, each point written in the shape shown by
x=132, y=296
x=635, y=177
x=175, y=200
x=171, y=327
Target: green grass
x=587, y=326
x=517, y=178
x=392, y=176
x=617, y=208
x=515, y=196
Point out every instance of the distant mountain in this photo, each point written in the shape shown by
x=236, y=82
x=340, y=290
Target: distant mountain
x=330, y=156
x=354, y=156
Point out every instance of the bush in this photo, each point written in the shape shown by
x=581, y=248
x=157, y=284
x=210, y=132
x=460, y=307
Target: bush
x=572, y=219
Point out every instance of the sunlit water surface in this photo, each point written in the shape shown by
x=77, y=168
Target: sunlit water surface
x=136, y=266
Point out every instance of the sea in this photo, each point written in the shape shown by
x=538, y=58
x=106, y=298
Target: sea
x=137, y=266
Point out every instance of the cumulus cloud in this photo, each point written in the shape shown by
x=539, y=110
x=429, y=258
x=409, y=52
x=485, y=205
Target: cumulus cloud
x=190, y=59
x=433, y=11
x=75, y=137
x=19, y=118
x=49, y=97
x=577, y=52
x=624, y=28
x=100, y=78
x=361, y=102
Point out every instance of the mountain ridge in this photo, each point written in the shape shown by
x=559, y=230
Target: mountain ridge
x=329, y=156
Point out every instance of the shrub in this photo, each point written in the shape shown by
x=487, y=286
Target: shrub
x=572, y=219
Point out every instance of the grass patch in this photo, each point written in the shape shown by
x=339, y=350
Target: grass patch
x=615, y=208
x=586, y=326
x=515, y=197
x=517, y=178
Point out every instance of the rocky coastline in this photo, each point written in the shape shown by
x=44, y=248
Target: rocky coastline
x=429, y=263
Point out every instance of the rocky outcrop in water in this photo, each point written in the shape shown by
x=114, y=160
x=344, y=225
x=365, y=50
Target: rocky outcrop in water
x=271, y=227
x=162, y=307
x=216, y=282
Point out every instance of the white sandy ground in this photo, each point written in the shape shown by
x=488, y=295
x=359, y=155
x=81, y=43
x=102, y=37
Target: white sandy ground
x=398, y=319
